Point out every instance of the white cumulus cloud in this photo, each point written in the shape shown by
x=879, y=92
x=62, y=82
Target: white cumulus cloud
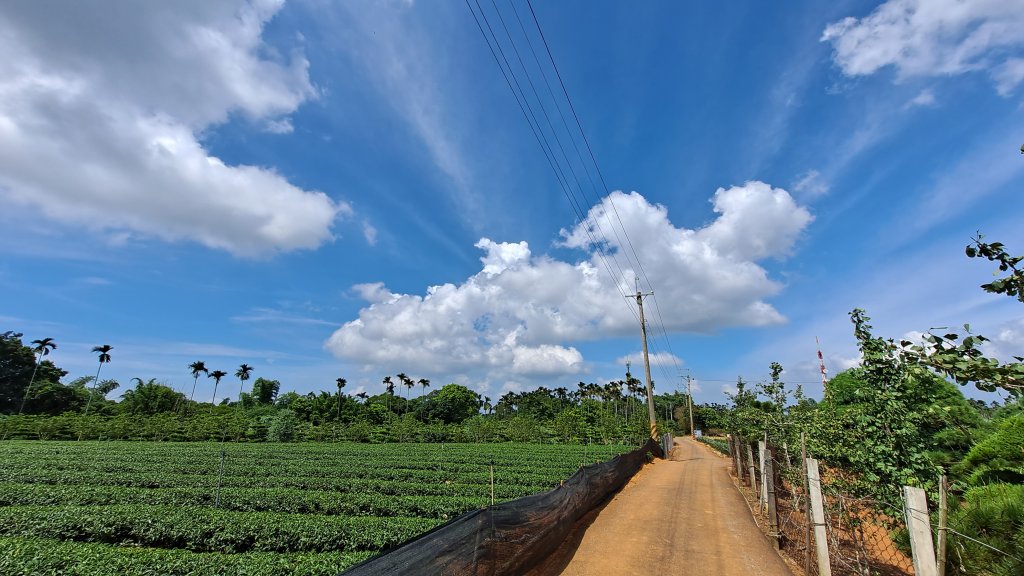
x=933, y=38
x=519, y=316
x=102, y=110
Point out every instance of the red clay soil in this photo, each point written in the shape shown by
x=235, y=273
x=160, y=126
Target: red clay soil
x=678, y=516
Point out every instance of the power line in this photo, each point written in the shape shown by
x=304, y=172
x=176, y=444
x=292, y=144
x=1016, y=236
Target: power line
x=592, y=227
x=527, y=111
x=544, y=111
x=600, y=174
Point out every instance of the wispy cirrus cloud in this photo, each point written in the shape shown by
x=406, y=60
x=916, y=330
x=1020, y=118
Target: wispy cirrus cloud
x=274, y=316
x=656, y=359
x=398, y=55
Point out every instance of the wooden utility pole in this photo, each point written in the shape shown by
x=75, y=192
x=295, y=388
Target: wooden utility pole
x=647, y=362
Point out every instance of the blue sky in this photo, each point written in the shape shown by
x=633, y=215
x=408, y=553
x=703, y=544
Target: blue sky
x=349, y=189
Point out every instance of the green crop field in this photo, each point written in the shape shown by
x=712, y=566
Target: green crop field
x=166, y=508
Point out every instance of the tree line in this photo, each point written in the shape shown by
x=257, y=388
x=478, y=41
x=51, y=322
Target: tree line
x=36, y=403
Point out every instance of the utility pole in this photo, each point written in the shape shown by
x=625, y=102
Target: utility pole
x=689, y=400
x=647, y=362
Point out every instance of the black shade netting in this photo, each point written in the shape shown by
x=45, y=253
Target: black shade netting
x=509, y=538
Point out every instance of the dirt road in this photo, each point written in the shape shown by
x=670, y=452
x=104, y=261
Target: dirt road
x=680, y=516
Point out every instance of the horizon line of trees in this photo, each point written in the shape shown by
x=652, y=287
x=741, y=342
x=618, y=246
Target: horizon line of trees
x=31, y=387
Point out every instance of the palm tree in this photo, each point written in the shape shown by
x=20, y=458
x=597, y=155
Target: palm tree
x=389, y=387
x=425, y=383
x=561, y=393
x=216, y=375
x=363, y=396
x=198, y=367
x=243, y=373
x=341, y=384
x=42, y=348
x=408, y=383
x=104, y=357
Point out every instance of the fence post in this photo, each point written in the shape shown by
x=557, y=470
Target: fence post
x=732, y=448
x=915, y=506
x=941, y=552
x=807, y=504
x=818, y=516
x=763, y=493
x=773, y=513
x=492, y=482
x=750, y=466
x=737, y=455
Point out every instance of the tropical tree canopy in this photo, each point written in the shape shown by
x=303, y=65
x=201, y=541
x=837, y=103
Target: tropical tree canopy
x=150, y=398
x=265, y=391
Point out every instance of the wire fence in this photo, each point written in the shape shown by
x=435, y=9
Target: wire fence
x=864, y=537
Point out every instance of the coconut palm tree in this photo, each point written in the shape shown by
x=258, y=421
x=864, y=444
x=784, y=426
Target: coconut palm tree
x=104, y=357
x=341, y=384
x=216, y=375
x=425, y=384
x=42, y=348
x=243, y=373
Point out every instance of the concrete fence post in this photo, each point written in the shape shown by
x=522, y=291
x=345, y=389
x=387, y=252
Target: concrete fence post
x=773, y=512
x=915, y=506
x=750, y=465
x=763, y=492
x=818, y=517
x=737, y=456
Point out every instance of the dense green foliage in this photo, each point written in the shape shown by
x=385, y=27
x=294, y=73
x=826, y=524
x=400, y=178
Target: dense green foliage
x=998, y=458
x=993, y=514
x=101, y=507
x=899, y=419
x=18, y=363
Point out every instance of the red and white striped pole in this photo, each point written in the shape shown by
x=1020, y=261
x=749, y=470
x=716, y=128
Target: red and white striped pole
x=821, y=362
